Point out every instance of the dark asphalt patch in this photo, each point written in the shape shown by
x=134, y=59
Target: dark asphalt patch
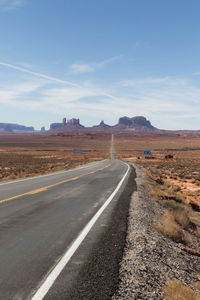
x=99, y=276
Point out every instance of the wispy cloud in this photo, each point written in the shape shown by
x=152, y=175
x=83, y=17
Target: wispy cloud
x=11, y=4
x=164, y=101
x=24, y=65
x=154, y=81
x=143, y=81
x=167, y=101
x=79, y=68
x=38, y=74
x=57, y=80
x=13, y=95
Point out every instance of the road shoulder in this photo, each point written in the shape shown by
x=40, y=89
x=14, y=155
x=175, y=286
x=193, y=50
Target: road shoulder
x=149, y=258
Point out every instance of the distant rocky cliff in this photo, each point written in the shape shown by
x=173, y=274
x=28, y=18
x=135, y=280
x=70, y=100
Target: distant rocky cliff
x=135, y=124
x=101, y=127
x=67, y=125
x=9, y=127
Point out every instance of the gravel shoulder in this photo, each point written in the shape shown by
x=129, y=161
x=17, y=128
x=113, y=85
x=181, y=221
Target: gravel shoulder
x=150, y=259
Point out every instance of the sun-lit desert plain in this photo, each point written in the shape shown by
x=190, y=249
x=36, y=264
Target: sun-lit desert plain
x=172, y=170
x=30, y=154
x=174, y=159
x=173, y=175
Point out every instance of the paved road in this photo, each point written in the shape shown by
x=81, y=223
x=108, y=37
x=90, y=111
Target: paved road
x=112, y=155
x=41, y=217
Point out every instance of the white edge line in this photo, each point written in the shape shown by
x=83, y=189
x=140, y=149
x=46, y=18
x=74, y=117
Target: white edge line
x=51, y=174
x=49, y=281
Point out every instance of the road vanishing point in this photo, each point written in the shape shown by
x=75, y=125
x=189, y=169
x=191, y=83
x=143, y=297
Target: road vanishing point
x=49, y=223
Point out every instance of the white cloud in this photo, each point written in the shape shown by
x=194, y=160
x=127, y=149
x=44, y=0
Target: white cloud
x=56, y=80
x=166, y=101
x=152, y=81
x=12, y=95
x=78, y=68
x=24, y=65
x=81, y=68
x=159, y=103
x=67, y=95
x=10, y=4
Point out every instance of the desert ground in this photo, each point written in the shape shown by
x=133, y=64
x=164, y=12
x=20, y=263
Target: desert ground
x=173, y=174
x=172, y=169
x=175, y=157
x=23, y=155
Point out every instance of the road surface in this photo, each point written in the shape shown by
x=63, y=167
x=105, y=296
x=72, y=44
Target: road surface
x=41, y=217
x=112, y=155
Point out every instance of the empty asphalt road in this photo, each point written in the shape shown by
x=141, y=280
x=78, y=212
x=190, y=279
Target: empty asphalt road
x=41, y=217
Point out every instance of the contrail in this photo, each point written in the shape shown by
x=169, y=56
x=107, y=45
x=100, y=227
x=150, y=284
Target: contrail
x=39, y=75
x=52, y=78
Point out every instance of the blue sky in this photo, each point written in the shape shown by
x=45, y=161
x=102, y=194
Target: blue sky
x=100, y=60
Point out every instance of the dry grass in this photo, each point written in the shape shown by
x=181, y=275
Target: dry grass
x=181, y=218
x=174, y=290
x=169, y=227
x=197, y=284
x=197, y=232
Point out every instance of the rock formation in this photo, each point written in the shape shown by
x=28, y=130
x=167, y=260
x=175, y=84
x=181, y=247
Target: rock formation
x=55, y=126
x=67, y=125
x=124, y=121
x=64, y=122
x=101, y=127
x=138, y=123
x=73, y=122
x=9, y=127
x=42, y=129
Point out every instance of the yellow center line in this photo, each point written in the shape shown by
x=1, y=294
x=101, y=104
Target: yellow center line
x=52, y=185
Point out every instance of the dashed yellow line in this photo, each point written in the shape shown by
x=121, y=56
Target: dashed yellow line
x=52, y=185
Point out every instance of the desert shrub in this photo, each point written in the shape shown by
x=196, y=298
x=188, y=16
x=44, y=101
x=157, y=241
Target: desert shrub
x=182, y=176
x=156, y=171
x=179, y=198
x=181, y=218
x=174, y=290
x=176, y=188
x=195, y=218
x=188, y=177
x=154, y=194
x=170, y=194
x=187, y=238
x=169, y=227
x=157, y=193
x=173, y=205
x=197, y=284
x=197, y=231
x=169, y=156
